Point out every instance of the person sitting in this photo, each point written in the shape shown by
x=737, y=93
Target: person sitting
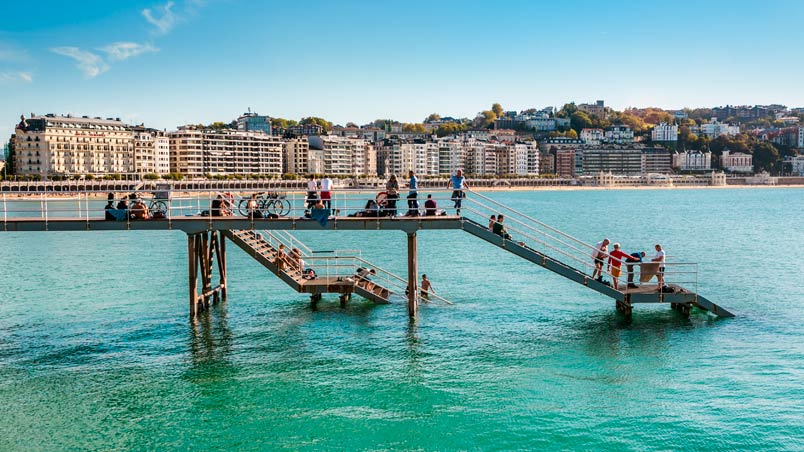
x=492, y=222
x=281, y=258
x=139, y=211
x=430, y=207
x=371, y=209
x=362, y=275
x=499, y=228
x=109, y=208
x=216, y=208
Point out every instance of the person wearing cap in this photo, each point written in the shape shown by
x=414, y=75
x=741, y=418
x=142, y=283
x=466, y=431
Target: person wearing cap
x=616, y=258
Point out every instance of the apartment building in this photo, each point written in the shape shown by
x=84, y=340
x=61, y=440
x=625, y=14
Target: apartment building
x=151, y=151
x=715, y=128
x=335, y=155
x=196, y=152
x=664, y=132
x=692, y=161
x=619, y=134
x=54, y=145
x=565, y=163
x=297, y=156
x=626, y=162
x=592, y=136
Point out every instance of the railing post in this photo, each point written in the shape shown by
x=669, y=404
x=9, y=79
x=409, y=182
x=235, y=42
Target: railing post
x=413, y=273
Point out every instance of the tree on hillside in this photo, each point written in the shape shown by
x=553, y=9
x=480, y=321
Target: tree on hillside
x=416, y=128
x=498, y=110
x=766, y=157
x=567, y=110
x=283, y=123
x=433, y=117
x=218, y=125
x=316, y=120
x=580, y=120
x=449, y=129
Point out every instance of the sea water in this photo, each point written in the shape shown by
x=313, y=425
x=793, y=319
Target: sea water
x=97, y=352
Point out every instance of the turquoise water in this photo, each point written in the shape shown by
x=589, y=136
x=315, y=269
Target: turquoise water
x=97, y=353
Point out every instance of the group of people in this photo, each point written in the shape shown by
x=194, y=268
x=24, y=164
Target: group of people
x=291, y=261
x=363, y=276
x=319, y=193
x=129, y=207
x=614, y=259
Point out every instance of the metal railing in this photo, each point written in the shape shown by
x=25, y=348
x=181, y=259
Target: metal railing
x=567, y=249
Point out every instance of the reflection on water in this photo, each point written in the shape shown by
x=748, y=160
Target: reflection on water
x=210, y=341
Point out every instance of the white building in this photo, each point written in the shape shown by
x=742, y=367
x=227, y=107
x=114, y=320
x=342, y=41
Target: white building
x=692, y=161
x=620, y=134
x=592, y=136
x=53, y=145
x=151, y=151
x=343, y=155
x=714, y=129
x=737, y=162
x=664, y=132
x=198, y=152
x=797, y=164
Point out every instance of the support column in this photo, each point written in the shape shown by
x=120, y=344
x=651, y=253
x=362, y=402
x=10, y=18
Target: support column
x=413, y=275
x=193, y=275
x=222, y=264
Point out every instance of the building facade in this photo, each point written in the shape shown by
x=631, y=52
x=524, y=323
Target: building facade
x=198, y=152
x=151, y=151
x=53, y=145
x=627, y=162
x=692, y=161
x=664, y=132
x=737, y=162
x=252, y=122
x=619, y=134
x=714, y=129
x=565, y=163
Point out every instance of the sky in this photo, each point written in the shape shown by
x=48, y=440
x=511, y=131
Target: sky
x=168, y=63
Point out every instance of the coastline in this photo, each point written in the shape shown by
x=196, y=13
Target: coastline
x=101, y=195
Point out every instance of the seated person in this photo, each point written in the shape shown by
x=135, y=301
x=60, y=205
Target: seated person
x=499, y=228
x=109, y=208
x=370, y=210
x=362, y=275
x=219, y=207
x=430, y=207
x=139, y=211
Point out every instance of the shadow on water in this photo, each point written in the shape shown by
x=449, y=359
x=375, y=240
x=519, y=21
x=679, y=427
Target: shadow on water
x=652, y=331
x=210, y=341
x=413, y=352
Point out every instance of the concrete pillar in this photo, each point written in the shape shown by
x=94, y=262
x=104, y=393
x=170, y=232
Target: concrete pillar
x=413, y=275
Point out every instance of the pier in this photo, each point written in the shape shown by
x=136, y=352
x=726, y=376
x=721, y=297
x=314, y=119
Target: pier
x=336, y=272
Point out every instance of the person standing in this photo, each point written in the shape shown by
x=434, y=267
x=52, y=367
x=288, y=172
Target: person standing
x=392, y=193
x=458, y=184
x=413, y=195
x=253, y=208
x=426, y=289
x=599, y=257
x=616, y=259
x=629, y=267
x=660, y=259
x=326, y=191
x=312, y=191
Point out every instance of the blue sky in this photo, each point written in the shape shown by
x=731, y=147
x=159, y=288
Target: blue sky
x=167, y=63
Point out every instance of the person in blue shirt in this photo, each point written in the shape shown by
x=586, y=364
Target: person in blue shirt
x=458, y=184
x=629, y=267
x=413, y=201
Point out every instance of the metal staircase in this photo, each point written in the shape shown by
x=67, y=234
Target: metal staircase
x=571, y=258
x=336, y=271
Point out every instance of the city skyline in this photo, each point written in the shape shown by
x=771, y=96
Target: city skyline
x=192, y=61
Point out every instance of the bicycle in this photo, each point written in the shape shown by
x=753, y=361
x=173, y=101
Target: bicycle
x=270, y=203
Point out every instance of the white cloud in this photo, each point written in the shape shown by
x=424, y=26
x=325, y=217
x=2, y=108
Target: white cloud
x=10, y=53
x=20, y=76
x=163, y=18
x=119, y=51
x=90, y=64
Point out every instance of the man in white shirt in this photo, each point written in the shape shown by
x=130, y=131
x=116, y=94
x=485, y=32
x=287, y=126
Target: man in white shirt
x=660, y=256
x=326, y=189
x=312, y=192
